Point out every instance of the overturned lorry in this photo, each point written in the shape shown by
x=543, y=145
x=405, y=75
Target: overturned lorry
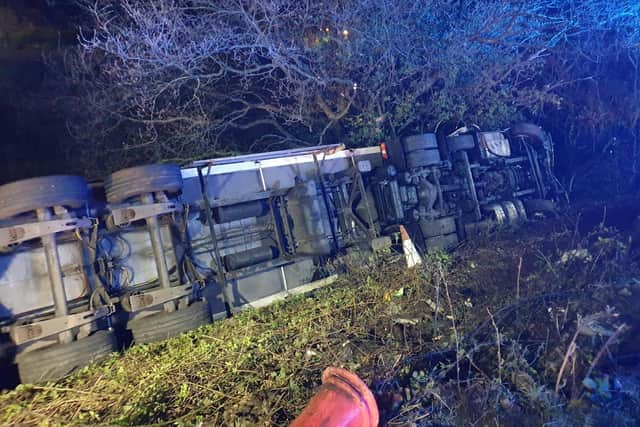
x=157, y=250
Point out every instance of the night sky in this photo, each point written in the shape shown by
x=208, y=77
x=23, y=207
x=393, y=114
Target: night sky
x=31, y=127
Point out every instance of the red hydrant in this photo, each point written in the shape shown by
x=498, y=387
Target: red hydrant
x=342, y=401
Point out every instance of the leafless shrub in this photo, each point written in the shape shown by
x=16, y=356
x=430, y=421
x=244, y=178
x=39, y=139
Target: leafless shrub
x=177, y=79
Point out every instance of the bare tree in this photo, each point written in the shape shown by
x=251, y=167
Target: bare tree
x=178, y=79
x=597, y=122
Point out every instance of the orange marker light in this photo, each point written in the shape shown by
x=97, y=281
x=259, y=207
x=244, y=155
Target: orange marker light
x=383, y=151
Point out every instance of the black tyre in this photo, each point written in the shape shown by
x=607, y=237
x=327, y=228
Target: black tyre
x=522, y=211
x=425, y=141
x=59, y=360
x=437, y=227
x=460, y=142
x=166, y=325
x=132, y=182
x=511, y=212
x=445, y=243
x=423, y=158
x=540, y=206
x=43, y=192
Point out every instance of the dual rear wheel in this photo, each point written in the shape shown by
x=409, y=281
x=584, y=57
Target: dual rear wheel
x=421, y=150
x=125, y=186
x=48, y=194
x=71, y=192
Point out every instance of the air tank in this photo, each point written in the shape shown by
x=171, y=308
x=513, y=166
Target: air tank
x=255, y=208
x=251, y=257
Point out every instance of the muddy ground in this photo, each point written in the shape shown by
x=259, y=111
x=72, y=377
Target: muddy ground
x=545, y=332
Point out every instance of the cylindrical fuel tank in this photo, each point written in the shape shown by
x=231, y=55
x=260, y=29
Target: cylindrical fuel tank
x=255, y=208
x=251, y=257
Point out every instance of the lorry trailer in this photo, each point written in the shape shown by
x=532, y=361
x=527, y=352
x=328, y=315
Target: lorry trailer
x=156, y=250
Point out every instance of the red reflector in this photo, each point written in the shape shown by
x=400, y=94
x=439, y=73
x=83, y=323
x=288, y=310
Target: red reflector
x=383, y=151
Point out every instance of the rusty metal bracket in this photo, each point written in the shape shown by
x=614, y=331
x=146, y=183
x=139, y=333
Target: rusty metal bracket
x=33, y=230
x=21, y=334
x=125, y=215
x=149, y=299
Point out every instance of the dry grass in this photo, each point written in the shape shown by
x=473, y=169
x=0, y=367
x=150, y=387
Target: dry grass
x=423, y=339
x=258, y=368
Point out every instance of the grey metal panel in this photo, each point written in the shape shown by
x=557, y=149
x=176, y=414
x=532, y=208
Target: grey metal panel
x=252, y=288
x=135, y=253
x=281, y=177
x=234, y=180
x=213, y=294
x=232, y=185
x=311, y=226
x=269, y=282
x=239, y=236
x=299, y=273
x=269, y=155
x=24, y=281
x=191, y=190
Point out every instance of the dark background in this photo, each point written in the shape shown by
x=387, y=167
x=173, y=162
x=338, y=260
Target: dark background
x=32, y=128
